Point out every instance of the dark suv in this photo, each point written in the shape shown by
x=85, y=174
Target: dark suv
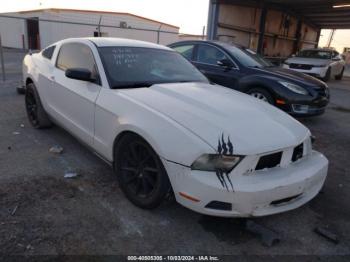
x=242, y=69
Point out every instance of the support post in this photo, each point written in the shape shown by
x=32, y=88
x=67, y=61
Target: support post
x=158, y=33
x=213, y=17
x=99, y=27
x=318, y=37
x=296, y=45
x=262, y=30
x=2, y=62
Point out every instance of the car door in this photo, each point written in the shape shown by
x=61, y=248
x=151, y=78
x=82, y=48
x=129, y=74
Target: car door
x=72, y=102
x=216, y=65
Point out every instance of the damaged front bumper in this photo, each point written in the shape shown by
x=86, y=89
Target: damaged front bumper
x=257, y=193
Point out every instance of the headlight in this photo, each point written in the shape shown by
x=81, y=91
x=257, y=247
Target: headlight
x=214, y=162
x=294, y=88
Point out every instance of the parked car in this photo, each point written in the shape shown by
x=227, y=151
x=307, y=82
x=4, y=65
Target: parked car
x=164, y=128
x=321, y=63
x=242, y=69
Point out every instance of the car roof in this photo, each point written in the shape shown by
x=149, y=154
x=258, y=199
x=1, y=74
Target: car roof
x=213, y=42
x=112, y=41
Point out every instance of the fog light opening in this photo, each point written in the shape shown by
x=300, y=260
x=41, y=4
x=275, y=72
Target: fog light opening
x=300, y=108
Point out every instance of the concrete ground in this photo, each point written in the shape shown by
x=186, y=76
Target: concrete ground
x=43, y=213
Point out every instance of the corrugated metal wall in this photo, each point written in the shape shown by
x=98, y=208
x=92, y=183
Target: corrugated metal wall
x=240, y=25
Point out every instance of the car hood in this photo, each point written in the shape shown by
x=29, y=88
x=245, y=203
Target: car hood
x=308, y=61
x=215, y=113
x=291, y=75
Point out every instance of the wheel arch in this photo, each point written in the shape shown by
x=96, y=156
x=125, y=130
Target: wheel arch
x=135, y=131
x=251, y=82
x=152, y=144
x=162, y=141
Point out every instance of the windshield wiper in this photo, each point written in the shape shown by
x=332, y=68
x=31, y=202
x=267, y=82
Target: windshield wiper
x=133, y=85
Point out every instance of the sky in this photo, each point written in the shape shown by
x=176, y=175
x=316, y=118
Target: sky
x=341, y=39
x=189, y=15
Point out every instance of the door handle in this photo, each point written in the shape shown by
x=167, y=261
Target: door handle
x=52, y=78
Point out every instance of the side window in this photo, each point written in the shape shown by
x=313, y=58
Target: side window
x=48, y=52
x=209, y=55
x=76, y=55
x=185, y=50
x=335, y=54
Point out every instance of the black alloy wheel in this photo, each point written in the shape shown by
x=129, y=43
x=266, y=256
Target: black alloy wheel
x=141, y=173
x=35, y=111
x=31, y=107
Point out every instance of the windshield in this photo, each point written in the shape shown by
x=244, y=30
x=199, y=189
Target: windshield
x=248, y=57
x=128, y=67
x=320, y=54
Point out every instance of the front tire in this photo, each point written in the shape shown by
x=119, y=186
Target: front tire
x=35, y=111
x=340, y=76
x=327, y=77
x=262, y=94
x=141, y=174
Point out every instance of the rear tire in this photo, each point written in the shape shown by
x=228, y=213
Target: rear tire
x=141, y=174
x=35, y=111
x=327, y=77
x=340, y=76
x=261, y=94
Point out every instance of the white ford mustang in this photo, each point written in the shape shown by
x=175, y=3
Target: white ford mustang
x=164, y=128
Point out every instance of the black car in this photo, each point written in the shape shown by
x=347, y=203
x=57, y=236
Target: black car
x=242, y=69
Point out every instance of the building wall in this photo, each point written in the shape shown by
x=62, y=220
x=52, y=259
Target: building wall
x=244, y=18
x=240, y=25
x=50, y=32
x=185, y=37
x=12, y=31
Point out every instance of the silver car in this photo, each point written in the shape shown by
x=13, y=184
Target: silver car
x=321, y=63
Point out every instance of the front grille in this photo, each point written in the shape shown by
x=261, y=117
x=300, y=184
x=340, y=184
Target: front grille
x=300, y=66
x=298, y=152
x=269, y=161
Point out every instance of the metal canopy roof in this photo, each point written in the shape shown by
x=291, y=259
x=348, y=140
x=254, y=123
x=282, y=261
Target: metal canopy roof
x=319, y=13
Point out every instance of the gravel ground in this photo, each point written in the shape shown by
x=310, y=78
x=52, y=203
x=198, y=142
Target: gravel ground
x=43, y=213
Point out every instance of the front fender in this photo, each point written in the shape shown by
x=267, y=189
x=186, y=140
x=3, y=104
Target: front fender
x=116, y=113
x=267, y=82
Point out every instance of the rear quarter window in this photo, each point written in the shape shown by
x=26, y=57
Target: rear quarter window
x=48, y=52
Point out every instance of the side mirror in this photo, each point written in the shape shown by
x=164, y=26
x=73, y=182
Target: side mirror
x=225, y=63
x=79, y=74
